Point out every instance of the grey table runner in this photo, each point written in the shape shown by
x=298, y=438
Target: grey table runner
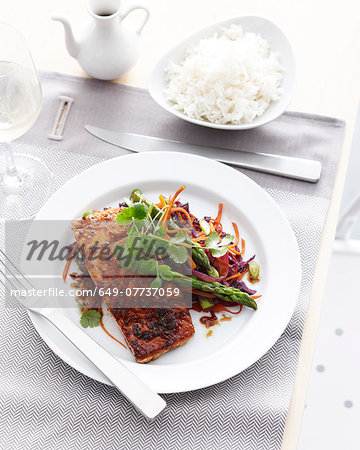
x=45, y=404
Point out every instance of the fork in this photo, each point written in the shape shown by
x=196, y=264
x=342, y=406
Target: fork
x=149, y=403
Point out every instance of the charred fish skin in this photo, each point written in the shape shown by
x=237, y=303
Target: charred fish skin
x=151, y=332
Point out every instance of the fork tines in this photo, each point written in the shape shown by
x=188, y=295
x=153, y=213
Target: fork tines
x=12, y=274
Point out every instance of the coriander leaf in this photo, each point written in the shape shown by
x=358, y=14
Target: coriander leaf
x=90, y=318
x=147, y=267
x=133, y=230
x=160, y=231
x=149, y=244
x=157, y=283
x=226, y=240
x=217, y=252
x=178, y=254
x=134, y=265
x=131, y=239
x=212, y=240
x=153, y=247
x=139, y=211
x=138, y=225
x=165, y=272
x=180, y=236
x=125, y=215
x=127, y=259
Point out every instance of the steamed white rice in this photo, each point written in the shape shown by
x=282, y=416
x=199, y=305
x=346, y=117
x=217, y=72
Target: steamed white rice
x=229, y=78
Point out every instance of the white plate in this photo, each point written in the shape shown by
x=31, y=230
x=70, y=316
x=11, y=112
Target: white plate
x=268, y=30
x=236, y=344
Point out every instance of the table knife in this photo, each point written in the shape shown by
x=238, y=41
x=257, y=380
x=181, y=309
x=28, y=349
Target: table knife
x=145, y=400
x=286, y=166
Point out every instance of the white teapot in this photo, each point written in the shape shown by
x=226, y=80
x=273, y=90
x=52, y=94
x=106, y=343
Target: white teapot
x=107, y=48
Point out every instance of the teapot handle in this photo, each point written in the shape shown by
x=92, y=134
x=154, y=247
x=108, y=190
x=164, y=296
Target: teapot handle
x=131, y=7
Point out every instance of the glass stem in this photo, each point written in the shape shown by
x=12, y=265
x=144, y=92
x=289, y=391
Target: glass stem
x=10, y=164
x=11, y=176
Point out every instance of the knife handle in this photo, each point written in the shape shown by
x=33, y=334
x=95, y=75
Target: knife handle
x=149, y=403
x=286, y=166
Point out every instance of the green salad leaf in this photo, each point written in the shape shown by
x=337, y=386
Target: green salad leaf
x=165, y=272
x=156, y=283
x=147, y=267
x=159, y=231
x=90, y=318
x=226, y=240
x=178, y=254
x=180, y=236
x=218, y=247
x=138, y=211
x=217, y=252
x=212, y=240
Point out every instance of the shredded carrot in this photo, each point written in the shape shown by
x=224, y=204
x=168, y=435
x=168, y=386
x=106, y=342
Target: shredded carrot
x=193, y=265
x=177, y=193
x=106, y=331
x=242, y=248
x=68, y=262
x=237, y=275
x=165, y=216
x=235, y=243
x=218, y=228
x=187, y=230
x=171, y=202
x=200, y=238
x=219, y=307
x=235, y=252
x=162, y=200
x=183, y=211
x=218, y=217
x=254, y=297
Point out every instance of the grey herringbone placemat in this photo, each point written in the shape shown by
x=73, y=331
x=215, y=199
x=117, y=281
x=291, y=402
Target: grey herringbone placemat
x=45, y=404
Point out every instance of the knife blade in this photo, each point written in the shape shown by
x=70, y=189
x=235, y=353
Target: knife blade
x=286, y=166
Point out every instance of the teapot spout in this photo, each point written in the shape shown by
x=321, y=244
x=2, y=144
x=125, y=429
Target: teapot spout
x=71, y=44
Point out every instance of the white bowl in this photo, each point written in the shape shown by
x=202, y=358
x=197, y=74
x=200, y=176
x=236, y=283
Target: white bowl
x=264, y=27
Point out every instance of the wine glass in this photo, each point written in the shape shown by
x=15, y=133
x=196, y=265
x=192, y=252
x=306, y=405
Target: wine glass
x=25, y=181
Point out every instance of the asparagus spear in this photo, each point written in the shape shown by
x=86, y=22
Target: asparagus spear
x=227, y=293
x=201, y=258
x=197, y=252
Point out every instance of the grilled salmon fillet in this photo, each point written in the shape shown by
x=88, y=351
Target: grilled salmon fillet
x=149, y=332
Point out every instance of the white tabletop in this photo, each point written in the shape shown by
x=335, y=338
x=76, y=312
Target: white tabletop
x=325, y=36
